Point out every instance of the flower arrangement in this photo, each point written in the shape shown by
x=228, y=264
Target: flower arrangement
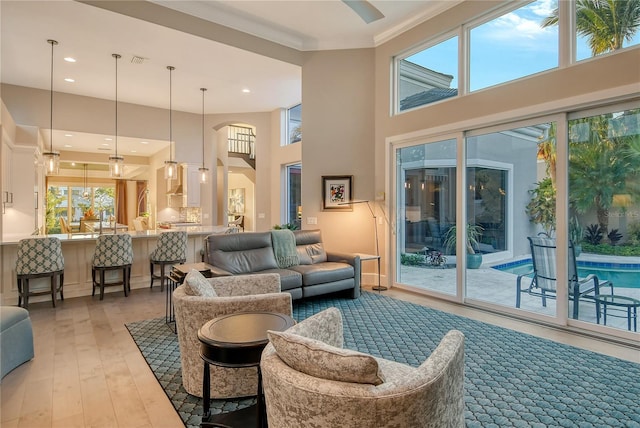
x=89, y=213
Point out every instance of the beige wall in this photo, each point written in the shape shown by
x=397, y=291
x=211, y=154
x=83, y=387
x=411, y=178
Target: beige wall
x=337, y=117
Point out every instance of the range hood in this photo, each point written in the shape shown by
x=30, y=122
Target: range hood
x=176, y=185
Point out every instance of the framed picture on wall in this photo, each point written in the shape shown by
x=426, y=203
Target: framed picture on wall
x=236, y=201
x=337, y=189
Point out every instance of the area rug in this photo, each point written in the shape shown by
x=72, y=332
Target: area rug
x=511, y=379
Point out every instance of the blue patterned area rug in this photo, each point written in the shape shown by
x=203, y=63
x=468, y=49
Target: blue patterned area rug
x=511, y=379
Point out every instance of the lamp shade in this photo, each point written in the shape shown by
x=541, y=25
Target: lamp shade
x=204, y=174
x=170, y=169
x=203, y=171
x=116, y=166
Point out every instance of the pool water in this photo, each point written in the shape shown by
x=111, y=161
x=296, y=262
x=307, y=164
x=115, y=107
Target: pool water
x=626, y=276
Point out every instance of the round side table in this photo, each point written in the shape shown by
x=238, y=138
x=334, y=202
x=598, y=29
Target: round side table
x=237, y=341
x=623, y=302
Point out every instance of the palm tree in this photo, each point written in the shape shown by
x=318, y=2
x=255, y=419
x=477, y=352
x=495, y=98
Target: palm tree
x=606, y=24
x=547, y=151
x=602, y=163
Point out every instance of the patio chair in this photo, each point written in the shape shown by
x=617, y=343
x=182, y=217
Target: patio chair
x=544, y=281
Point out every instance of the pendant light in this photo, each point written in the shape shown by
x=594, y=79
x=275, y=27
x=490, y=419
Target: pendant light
x=170, y=166
x=204, y=172
x=116, y=163
x=85, y=194
x=52, y=159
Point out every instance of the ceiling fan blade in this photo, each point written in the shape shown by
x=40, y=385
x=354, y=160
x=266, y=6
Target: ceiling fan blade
x=366, y=10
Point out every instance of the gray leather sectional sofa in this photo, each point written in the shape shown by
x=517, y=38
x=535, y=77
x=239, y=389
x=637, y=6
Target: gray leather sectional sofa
x=319, y=272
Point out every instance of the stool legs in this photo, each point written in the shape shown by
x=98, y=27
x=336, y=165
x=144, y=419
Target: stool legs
x=101, y=283
x=24, y=290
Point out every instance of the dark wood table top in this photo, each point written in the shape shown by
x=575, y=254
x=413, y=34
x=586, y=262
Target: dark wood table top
x=237, y=340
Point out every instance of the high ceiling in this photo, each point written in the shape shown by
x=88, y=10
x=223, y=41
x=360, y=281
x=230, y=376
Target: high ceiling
x=92, y=34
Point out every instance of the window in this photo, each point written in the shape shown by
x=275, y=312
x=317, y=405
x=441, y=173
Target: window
x=511, y=46
x=601, y=29
x=604, y=214
x=293, y=193
x=69, y=202
x=429, y=75
x=294, y=124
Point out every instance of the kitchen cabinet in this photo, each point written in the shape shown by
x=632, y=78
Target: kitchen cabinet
x=193, y=186
x=7, y=171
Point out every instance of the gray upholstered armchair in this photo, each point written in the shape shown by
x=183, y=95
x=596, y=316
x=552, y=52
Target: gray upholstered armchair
x=243, y=293
x=323, y=385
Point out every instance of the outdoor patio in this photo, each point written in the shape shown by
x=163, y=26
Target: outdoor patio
x=491, y=285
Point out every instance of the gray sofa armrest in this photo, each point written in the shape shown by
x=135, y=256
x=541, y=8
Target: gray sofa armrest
x=353, y=260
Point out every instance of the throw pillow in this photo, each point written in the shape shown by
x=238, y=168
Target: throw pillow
x=195, y=284
x=320, y=360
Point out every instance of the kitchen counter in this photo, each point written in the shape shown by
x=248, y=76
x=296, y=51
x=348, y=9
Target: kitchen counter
x=191, y=230
x=78, y=249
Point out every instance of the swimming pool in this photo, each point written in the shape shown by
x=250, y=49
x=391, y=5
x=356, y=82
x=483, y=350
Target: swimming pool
x=622, y=275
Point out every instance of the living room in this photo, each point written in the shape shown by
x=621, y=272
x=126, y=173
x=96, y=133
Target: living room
x=348, y=130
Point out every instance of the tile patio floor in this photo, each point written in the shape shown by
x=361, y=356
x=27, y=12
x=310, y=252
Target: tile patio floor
x=494, y=286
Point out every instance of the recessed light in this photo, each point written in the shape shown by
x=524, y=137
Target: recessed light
x=69, y=59
x=73, y=164
x=68, y=145
x=68, y=135
x=108, y=139
x=144, y=142
x=104, y=144
x=246, y=91
x=69, y=79
x=134, y=151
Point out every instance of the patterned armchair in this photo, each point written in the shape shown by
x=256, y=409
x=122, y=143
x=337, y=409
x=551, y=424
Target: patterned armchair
x=171, y=250
x=113, y=252
x=244, y=293
x=39, y=258
x=324, y=385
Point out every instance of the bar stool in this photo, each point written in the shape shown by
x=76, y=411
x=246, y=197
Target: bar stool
x=113, y=252
x=39, y=258
x=171, y=250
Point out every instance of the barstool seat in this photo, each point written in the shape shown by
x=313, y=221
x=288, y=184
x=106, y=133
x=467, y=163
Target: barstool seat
x=39, y=258
x=113, y=252
x=171, y=250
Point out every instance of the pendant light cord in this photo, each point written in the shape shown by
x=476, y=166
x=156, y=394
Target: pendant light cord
x=203, y=91
x=52, y=42
x=116, y=56
x=170, y=68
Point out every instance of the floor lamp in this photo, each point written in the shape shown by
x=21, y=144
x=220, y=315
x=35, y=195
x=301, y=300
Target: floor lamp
x=378, y=287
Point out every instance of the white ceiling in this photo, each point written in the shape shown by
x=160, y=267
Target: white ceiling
x=91, y=34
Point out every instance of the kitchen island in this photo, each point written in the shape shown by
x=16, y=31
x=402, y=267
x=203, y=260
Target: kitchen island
x=78, y=249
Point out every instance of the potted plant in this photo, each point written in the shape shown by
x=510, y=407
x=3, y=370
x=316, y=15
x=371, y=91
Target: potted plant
x=474, y=233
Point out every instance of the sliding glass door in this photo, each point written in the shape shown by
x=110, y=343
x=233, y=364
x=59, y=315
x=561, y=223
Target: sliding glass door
x=542, y=220
x=426, y=212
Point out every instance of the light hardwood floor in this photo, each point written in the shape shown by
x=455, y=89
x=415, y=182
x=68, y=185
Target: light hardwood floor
x=88, y=372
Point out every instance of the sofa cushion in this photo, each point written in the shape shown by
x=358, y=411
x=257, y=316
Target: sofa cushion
x=195, y=284
x=309, y=246
x=239, y=253
x=320, y=360
x=321, y=273
x=289, y=279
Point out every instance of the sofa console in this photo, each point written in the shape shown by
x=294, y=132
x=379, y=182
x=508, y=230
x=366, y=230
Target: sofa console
x=317, y=271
